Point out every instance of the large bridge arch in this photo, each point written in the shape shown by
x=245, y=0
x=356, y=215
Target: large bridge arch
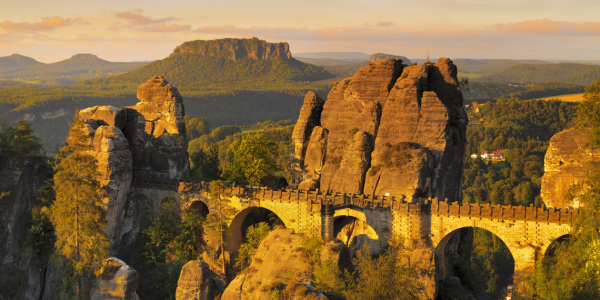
x=239, y=224
x=448, y=249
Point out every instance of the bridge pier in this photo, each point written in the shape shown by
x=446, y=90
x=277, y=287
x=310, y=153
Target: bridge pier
x=525, y=259
x=327, y=217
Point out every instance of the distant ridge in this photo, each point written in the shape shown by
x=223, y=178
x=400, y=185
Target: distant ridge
x=77, y=67
x=17, y=61
x=334, y=55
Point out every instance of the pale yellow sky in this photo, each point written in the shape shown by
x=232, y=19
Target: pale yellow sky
x=133, y=30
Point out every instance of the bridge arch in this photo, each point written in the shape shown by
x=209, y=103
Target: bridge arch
x=244, y=219
x=448, y=249
x=552, y=239
x=199, y=207
x=352, y=228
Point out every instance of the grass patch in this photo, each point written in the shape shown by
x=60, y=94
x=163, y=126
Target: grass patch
x=567, y=98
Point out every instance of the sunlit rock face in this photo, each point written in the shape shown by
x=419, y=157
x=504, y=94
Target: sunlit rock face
x=391, y=129
x=146, y=141
x=566, y=167
x=156, y=131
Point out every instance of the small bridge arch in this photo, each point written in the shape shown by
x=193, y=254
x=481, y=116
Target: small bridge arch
x=352, y=227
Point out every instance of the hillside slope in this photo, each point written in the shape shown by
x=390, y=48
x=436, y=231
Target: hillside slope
x=580, y=74
x=68, y=71
x=221, y=65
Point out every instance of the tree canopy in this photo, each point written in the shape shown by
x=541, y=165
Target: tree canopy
x=78, y=214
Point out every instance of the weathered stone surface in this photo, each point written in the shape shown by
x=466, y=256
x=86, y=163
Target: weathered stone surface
x=350, y=177
x=116, y=284
x=415, y=123
x=105, y=115
x=20, y=178
x=310, y=116
x=314, y=158
x=111, y=149
x=566, y=164
x=278, y=263
x=235, y=49
x=423, y=263
x=156, y=131
x=195, y=282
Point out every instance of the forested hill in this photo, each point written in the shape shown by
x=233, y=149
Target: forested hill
x=65, y=72
x=580, y=74
x=16, y=61
x=220, y=66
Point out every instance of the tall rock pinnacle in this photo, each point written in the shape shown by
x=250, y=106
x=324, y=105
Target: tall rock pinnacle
x=391, y=129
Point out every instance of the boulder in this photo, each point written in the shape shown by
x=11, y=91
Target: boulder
x=566, y=165
x=279, y=267
x=116, y=281
x=196, y=282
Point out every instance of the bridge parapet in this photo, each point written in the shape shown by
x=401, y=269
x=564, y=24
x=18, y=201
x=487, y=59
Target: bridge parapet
x=504, y=212
x=331, y=200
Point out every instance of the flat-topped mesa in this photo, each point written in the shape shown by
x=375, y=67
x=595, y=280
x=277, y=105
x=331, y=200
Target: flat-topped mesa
x=156, y=131
x=566, y=165
x=412, y=128
x=235, y=49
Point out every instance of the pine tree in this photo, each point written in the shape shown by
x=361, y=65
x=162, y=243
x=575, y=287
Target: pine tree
x=78, y=214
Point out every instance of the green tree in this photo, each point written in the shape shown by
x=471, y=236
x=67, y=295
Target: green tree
x=205, y=165
x=19, y=141
x=252, y=159
x=254, y=235
x=216, y=221
x=196, y=127
x=78, y=214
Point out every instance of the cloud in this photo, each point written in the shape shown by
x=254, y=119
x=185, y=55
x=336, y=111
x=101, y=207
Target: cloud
x=151, y=25
x=386, y=24
x=549, y=27
x=47, y=24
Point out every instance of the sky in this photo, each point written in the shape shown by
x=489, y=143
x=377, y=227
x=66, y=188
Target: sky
x=132, y=30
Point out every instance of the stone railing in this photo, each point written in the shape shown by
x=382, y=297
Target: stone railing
x=330, y=200
x=504, y=212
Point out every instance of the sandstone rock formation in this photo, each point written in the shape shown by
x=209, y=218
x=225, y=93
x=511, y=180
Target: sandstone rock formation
x=390, y=129
x=196, y=282
x=377, y=56
x=156, y=131
x=22, y=272
x=144, y=141
x=279, y=267
x=235, y=49
x=119, y=281
x=566, y=164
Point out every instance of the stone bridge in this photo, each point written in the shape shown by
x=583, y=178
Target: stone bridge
x=428, y=223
